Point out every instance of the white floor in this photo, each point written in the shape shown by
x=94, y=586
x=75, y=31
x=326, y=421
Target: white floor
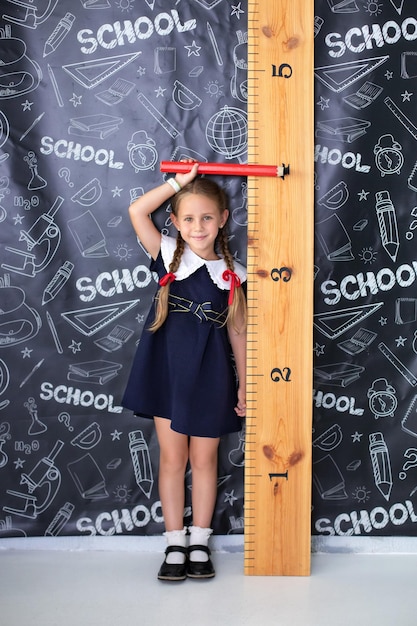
x=114, y=588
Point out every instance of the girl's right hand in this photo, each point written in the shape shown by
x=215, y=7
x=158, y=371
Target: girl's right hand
x=184, y=179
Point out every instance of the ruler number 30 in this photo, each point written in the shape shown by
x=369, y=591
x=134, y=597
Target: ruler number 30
x=283, y=273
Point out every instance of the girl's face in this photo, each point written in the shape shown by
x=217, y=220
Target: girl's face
x=198, y=220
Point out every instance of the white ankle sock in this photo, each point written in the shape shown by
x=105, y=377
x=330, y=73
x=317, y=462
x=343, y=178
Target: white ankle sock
x=199, y=536
x=176, y=538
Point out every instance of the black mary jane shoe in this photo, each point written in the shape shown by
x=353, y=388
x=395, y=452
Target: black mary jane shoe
x=200, y=569
x=173, y=571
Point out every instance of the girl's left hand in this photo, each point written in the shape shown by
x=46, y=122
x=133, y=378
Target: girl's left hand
x=184, y=179
x=240, y=408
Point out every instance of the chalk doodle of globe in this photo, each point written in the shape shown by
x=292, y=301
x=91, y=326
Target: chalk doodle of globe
x=227, y=132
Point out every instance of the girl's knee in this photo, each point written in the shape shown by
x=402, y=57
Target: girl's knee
x=173, y=461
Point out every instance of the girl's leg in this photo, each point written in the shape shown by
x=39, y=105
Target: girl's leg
x=173, y=448
x=203, y=453
x=173, y=461
x=203, y=459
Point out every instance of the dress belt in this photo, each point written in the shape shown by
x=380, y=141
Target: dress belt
x=203, y=310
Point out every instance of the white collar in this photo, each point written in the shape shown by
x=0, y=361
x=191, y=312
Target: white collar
x=191, y=262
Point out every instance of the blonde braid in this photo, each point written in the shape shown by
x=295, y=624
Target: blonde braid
x=163, y=293
x=239, y=300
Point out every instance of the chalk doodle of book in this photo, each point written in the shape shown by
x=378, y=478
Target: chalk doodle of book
x=88, y=236
x=117, y=92
x=97, y=4
x=334, y=239
x=334, y=323
x=88, y=478
x=97, y=372
x=343, y=6
x=345, y=129
x=328, y=479
x=360, y=341
x=364, y=96
x=89, y=74
x=93, y=319
x=340, y=77
x=99, y=126
x=115, y=339
x=338, y=374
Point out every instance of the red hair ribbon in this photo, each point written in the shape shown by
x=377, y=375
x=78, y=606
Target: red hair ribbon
x=235, y=282
x=168, y=278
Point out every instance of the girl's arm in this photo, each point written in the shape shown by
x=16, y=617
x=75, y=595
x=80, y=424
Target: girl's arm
x=141, y=209
x=238, y=343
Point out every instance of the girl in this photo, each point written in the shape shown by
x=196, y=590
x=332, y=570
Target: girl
x=182, y=375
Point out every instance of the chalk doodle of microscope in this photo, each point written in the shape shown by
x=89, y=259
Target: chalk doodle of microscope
x=42, y=485
x=42, y=242
x=19, y=74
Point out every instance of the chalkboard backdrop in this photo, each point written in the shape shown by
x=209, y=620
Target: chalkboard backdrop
x=93, y=95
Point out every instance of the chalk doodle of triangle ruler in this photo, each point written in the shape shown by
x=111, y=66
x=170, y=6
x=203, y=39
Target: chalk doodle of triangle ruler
x=89, y=74
x=280, y=289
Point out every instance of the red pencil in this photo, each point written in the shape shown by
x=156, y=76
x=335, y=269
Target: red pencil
x=226, y=169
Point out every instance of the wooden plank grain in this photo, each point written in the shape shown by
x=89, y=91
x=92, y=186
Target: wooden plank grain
x=280, y=289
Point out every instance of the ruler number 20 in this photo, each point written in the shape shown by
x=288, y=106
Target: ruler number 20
x=283, y=374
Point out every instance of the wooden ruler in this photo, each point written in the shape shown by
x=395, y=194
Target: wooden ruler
x=280, y=289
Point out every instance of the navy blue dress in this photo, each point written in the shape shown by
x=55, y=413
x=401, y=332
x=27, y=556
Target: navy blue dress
x=184, y=371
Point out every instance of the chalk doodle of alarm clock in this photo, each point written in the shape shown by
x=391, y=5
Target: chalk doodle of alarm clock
x=142, y=152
